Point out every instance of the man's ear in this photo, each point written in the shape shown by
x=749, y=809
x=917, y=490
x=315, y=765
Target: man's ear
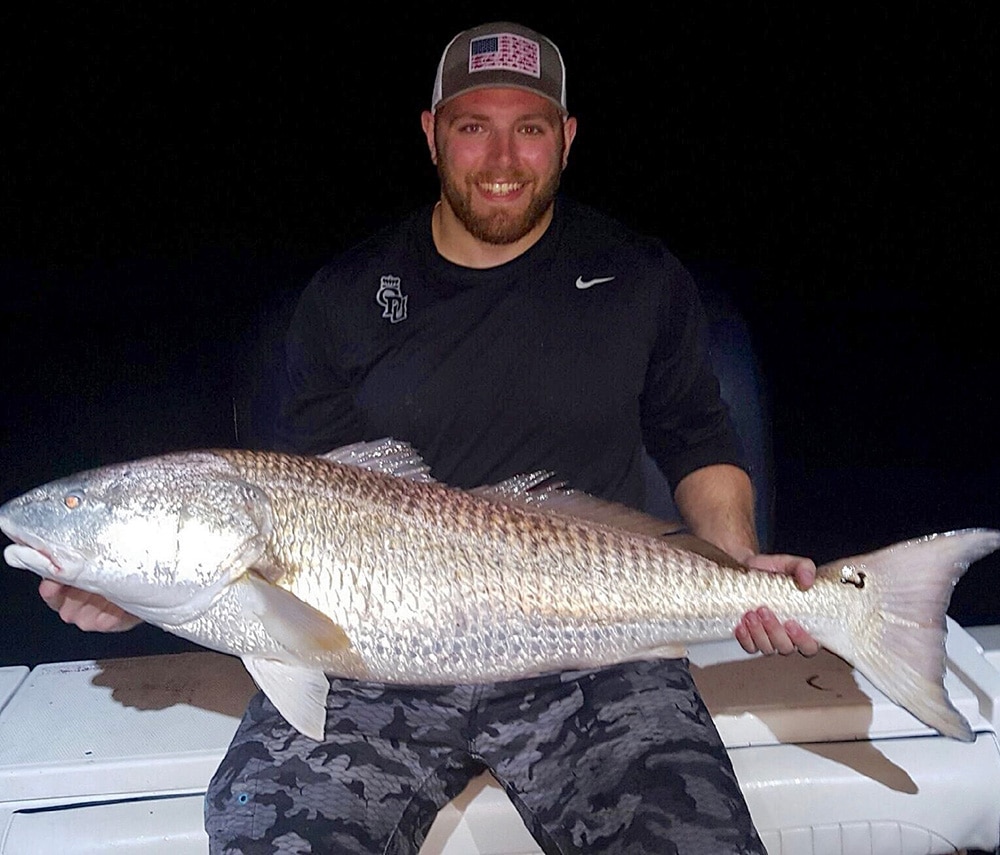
x=569, y=134
x=427, y=123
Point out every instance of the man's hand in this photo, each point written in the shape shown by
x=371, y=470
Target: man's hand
x=759, y=630
x=88, y=611
x=717, y=504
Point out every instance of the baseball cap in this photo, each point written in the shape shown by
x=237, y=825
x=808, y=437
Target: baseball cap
x=500, y=55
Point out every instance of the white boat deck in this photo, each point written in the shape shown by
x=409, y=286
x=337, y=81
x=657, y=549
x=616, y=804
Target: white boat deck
x=98, y=755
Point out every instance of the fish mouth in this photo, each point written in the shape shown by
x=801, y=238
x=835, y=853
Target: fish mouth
x=32, y=553
x=28, y=558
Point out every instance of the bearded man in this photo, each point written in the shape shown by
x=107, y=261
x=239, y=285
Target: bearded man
x=502, y=330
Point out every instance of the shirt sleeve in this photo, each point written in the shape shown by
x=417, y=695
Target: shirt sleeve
x=685, y=422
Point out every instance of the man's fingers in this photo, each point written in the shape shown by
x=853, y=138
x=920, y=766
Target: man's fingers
x=89, y=612
x=803, y=570
x=760, y=631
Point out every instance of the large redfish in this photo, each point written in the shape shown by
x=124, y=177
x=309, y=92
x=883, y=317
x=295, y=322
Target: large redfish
x=358, y=564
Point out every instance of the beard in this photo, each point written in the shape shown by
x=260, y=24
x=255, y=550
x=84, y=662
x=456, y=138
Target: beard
x=497, y=227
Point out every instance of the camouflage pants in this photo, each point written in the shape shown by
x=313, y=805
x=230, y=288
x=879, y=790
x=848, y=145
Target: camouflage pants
x=620, y=760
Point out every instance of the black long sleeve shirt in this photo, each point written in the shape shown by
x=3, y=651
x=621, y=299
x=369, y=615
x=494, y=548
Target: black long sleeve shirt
x=568, y=358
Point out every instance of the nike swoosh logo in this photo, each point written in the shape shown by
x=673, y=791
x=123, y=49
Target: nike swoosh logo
x=583, y=284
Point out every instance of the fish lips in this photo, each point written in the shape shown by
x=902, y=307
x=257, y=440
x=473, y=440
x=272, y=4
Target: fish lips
x=28, y=552
x=26, y=558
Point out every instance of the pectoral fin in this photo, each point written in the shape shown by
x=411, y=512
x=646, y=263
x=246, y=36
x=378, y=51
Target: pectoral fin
x=294, y=624
x=298, y=692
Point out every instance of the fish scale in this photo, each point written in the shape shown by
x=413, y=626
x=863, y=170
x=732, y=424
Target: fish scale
x=479, y=559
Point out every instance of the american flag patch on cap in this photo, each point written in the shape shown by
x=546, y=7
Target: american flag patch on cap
x=505, y=52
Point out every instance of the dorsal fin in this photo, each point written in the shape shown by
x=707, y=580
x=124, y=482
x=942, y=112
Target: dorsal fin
x=539, y=492
x=388, y=456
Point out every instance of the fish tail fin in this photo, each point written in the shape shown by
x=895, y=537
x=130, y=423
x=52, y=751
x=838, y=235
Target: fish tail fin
x=901, y=648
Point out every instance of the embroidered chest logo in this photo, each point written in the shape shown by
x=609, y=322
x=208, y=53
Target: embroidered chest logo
x=392, y=299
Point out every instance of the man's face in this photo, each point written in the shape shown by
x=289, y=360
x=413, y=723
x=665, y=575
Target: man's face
x=499, y=154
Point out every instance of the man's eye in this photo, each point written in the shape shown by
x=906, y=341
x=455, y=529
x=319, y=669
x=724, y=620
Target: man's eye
x=470, y=128
x=532, y=130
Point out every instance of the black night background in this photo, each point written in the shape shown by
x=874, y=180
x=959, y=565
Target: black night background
x=171, y=174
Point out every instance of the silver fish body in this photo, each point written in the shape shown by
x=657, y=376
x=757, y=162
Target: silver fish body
x=358, y=564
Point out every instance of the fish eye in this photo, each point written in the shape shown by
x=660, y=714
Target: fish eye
x=72, y=500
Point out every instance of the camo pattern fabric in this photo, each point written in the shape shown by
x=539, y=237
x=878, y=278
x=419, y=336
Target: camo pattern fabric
x=619, y=760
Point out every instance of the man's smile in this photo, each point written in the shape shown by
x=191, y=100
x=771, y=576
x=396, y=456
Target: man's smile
x=500, y=188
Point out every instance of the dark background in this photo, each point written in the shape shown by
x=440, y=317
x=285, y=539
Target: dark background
x=170, y=176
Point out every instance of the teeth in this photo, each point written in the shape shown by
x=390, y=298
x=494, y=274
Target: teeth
x=501, y=188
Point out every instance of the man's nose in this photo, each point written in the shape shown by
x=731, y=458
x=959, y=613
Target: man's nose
x=502, y=148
